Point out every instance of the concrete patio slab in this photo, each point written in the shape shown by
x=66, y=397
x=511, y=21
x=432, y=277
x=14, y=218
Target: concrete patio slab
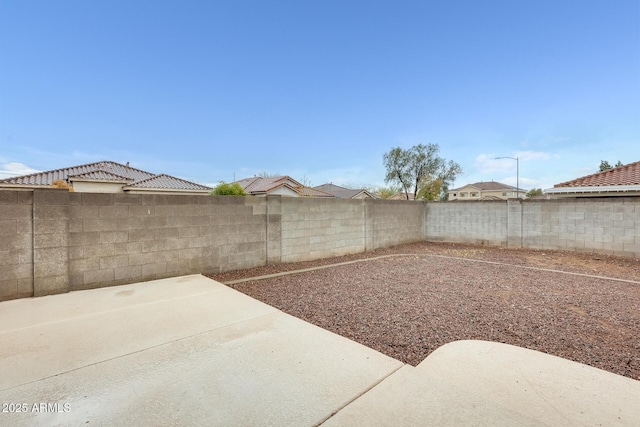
x=191, y=351
x=206, y=356
x=471, y=383
x=75, y=304
x=106, y=323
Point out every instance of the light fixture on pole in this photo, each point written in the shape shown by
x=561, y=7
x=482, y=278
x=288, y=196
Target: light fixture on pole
x=517, y=159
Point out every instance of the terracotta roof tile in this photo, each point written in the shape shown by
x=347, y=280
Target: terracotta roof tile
x=622, y=175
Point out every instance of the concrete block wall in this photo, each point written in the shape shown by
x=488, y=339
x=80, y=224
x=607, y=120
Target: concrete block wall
x=273, y=209
x=483, y=222
x=314, y=228
x=604, y=225
x=51, y=226
x=610, y=225
x=53, y=241
x=514, y=223
x=121, y=238
x=393, y=222
x=16, y=244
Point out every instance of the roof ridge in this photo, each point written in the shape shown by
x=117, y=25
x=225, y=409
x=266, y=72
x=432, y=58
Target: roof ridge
x=49, y=171
x=124, y=166
x=266, y=184
x=146, y=179
x=85, y=165
x=105, y=170
x=159, y=175
x=128, y=166
x=335, y=185
x=101, y=170
x=170, y=177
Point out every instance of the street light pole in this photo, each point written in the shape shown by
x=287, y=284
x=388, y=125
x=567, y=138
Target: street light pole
x=517, y=159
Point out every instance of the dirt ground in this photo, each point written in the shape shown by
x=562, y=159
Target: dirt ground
x=427, y=294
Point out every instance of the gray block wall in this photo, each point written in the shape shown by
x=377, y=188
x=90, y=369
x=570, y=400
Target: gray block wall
x=484, y=222
x=604, y=225
x=393, y=222
x=121, y=238
x=51, y=222
x=313, y=228
x=318, y=228
x=16, y=244
x=53, y=241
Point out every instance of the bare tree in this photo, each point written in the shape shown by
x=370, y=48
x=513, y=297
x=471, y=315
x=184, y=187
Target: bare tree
x=420, y=166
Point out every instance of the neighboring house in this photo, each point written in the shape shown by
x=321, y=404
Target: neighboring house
x=107, y=177
x=490, y=190
x=621, y=181
x=345, y=193
x=279, y=185
x=402, y=196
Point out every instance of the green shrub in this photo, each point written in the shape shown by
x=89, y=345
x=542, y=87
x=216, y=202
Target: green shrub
x=224, y=189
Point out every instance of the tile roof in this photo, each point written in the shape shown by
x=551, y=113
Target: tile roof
x=259, y=184
x=101, y=175
x=263, y=185
x=341, y=192
x=622, y=175
x=167, y=182
x=312, y=192
x=107, y=171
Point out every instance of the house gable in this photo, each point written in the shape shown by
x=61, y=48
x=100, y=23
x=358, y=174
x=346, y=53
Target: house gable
x=283, y=190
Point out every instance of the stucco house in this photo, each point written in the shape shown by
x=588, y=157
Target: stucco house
x=621, y=181
x=345, y=193
x=279, y=185
x=489, y=190
x=107, y=177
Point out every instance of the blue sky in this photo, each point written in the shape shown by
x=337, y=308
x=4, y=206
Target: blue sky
x=320, y=90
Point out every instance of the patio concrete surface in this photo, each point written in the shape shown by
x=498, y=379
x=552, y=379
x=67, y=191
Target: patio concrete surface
x=191, y=351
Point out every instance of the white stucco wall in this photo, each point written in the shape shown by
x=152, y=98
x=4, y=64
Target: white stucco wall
x=97, y=187
x=284, y=191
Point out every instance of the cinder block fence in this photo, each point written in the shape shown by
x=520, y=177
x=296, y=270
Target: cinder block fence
x=605, y=225
x=53, y=241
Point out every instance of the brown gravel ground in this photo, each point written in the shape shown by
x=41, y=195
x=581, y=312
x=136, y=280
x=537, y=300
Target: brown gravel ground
x=407, y=306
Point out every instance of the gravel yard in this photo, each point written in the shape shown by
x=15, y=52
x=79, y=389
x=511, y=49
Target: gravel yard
x=408, y=305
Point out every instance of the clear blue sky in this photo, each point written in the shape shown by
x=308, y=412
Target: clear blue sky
x=209, y=90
